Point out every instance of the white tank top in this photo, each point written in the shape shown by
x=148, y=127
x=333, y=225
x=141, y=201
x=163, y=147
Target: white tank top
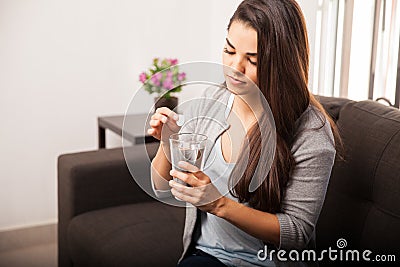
x=218, y=237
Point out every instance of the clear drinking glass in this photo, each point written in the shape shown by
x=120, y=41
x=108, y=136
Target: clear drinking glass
x=188, y=147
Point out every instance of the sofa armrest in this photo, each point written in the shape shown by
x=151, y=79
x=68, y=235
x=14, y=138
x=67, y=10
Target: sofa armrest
x=98, y=179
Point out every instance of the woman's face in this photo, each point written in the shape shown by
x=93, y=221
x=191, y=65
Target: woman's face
x=240, y=54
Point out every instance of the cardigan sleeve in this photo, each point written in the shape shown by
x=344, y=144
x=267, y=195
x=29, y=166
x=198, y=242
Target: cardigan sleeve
x=314, y=154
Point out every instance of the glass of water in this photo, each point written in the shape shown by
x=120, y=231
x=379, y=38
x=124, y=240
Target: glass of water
x=187, y=147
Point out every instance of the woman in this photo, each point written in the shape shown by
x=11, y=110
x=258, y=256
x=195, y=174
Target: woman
x=266, y=44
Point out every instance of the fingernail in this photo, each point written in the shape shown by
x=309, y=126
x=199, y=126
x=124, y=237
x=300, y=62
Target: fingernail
x=171, y=172
x=176, y=117
x=164, y=120
x=180, y=120
x=181, y=163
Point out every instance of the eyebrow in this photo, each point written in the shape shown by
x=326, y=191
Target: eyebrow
x=249, y=54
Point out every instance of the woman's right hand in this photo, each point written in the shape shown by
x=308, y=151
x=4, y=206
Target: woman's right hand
x=163, y=116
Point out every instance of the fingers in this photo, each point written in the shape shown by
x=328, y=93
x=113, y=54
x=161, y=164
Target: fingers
x=159, y=117
x=181, y=191
x=188, y=178
x=188, y=167
x=167, y=113
x=195, y=177
x=182, y=195
x=167, y=116
x=194, y=170
x=155, y=129
x=197, y=196
x=162, y=116
x=152, y=132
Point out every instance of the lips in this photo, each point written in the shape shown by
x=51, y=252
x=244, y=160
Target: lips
x=235, y=80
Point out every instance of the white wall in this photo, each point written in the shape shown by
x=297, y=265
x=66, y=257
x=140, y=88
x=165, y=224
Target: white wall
x=63, y=63
x=310, y=8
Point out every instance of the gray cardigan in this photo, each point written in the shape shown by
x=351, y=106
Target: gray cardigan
x=313, y=151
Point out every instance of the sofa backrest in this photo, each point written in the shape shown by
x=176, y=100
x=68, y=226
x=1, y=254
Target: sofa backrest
x=362, y=204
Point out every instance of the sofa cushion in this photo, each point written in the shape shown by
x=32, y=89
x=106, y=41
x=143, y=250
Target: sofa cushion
x=363, y=200
x=333, y=105
x=147, y=234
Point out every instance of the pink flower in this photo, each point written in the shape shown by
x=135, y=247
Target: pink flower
x=167, y=77
x=156, y=79
x=168, y=83
x=142, y=77
x=173, y=61
x=181, y=76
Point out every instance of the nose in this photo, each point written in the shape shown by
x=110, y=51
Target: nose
x=237, y=64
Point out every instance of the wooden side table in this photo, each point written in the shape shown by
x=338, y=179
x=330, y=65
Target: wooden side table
x=135, y=133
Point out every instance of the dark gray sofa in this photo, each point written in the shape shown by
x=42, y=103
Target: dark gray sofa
x=105, y=219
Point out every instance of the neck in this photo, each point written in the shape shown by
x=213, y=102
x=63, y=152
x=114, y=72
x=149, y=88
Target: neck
x=246, y=111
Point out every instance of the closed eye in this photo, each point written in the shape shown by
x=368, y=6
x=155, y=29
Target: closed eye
x=232, y=53
x=228, y=52
x=252, y=62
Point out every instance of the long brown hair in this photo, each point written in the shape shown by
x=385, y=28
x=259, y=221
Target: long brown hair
x=282, y=71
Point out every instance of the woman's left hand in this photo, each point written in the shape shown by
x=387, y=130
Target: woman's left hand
x=202, y=193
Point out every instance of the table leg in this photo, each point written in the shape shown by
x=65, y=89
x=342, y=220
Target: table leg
x=102, y=137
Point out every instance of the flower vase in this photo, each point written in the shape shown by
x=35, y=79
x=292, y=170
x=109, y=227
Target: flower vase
x=171, y=102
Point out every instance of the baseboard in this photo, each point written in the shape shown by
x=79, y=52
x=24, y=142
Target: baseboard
x=26, y=237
